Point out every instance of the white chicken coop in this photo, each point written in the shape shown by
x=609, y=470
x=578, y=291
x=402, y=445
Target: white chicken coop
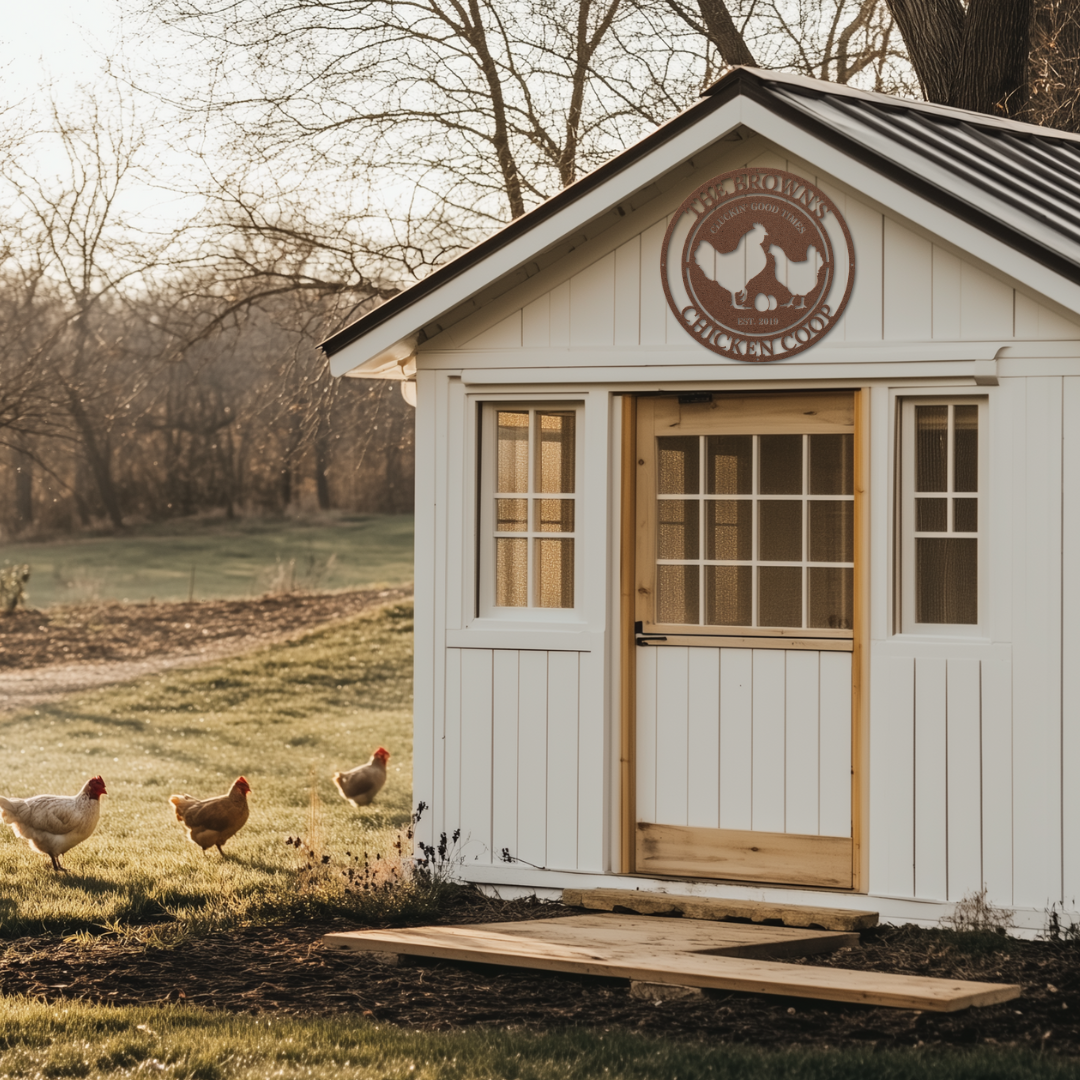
x=748, y=484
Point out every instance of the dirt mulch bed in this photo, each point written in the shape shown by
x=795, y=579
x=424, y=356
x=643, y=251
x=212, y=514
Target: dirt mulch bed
x=287, y=971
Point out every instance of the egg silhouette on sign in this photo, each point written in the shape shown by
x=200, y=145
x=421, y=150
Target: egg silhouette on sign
x=758, y=264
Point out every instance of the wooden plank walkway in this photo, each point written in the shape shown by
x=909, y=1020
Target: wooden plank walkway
x=679, y=952
x=654, y=903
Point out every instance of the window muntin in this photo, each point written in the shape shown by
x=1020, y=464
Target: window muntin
x=530, y=508
x=755, y=530
x=942, y=514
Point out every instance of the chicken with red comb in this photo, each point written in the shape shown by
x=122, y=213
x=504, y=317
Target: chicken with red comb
x=210, y=822
x=53, y=824
x=360, y=785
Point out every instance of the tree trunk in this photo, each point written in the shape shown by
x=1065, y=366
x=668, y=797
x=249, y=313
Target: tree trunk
x=992, y=74
x=932, y=31
x=24, y=490
x=322, y=463
x=98, y=457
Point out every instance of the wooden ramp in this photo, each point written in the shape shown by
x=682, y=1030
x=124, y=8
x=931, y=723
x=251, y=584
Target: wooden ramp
x=655, y=903
x=679, y=952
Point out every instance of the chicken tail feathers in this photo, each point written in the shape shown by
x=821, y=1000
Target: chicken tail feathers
x=181, y=803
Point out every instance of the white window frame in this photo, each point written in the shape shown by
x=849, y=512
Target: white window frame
x=485, y=548
x=907, y=534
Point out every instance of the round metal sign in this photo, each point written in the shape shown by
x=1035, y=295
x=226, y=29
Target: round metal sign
x=758, y=264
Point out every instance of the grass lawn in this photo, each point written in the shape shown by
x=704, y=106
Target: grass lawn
x=285, y=717
x=229, y=559
x=39, y=1039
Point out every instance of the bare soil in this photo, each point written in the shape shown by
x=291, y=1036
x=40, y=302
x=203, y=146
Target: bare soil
x=44, y=654
x=285, y=970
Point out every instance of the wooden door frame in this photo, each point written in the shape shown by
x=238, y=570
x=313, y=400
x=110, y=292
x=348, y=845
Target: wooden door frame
x=860, y=683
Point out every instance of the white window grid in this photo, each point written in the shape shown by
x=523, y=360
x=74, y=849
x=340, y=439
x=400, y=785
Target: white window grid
x=702, y=498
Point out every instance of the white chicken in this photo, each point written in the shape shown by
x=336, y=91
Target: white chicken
x=799, y=277
x=360, y=785
x=53, y=824
x=733, y=269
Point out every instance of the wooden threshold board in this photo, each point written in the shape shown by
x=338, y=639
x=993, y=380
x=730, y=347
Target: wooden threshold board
x=654, y=903
x=680, y=952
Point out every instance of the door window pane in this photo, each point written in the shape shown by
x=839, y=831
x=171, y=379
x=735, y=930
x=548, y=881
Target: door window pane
x=780, y=464
x=729, y=529
x=966, y=447
x=729, y=595
x=965, y=515
x=555, y=452
x=510, y=515
x=512, y=573
x=831, y=597
x=677, y=594
x=932, y=515
x=947, y=580
x=780, y=596
x=512, y=470
x=729, y=464
x=780, y=532
x=931, y=447
x=677, y=465
x=832, y=464
x=554, y=573
x=677, y=529
x=832, y=531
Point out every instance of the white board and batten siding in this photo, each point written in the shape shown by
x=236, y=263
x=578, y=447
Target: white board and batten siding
x=703, y=713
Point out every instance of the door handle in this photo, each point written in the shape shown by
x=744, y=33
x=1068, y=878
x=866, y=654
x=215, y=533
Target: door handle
x=649, y=639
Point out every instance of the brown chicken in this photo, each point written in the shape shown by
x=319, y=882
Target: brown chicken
x=54, y=824
x=210, y=822
x=360, y=785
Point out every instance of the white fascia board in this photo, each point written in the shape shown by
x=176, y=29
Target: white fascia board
x=522, y=249
x=934, y=219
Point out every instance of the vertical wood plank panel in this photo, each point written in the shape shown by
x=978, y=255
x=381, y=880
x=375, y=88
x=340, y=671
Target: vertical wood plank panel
x=964, y=777
x=802, y=740
x=736, y=737
x=946, y=295
x=768, y=755
x=862, y=318
x=476, y=750
x=1026, y=324
x=532, y=757
x=835, y=769
x=628, y=292
x=986, y=306
x=1070, y=643
x=562, y=755
x=1037, y=647
x=504, y=754
x=536, y=323
x=931, y=836
x=908, y=284
x=451, y=807
x=892, y=776
x=645, y=754
x=460, y=470
x=672, y=709
x=593, y=787
x=560, y=315
x=654, y=305
x=997, y=780
x=703, y=739
x=592, y=304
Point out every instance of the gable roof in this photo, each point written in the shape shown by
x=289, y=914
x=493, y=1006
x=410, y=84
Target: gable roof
x=1017, y=182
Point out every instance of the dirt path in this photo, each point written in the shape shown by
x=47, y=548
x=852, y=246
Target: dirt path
x=46, y=654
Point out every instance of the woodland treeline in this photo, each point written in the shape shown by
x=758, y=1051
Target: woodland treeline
x=249, y=176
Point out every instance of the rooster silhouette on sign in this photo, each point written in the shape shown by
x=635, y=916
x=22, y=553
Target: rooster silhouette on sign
x=732, y=270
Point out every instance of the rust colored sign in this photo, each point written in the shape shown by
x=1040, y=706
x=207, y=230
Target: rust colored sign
x=758, y=264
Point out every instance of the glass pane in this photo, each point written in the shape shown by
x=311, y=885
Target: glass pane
x=728, y=595
x=513, y=456
x=677, y=594
x=832, y=531
x=965, y=515
x=946, y=580
x=728, y=529
x=966, y=447
x=779, y=532
x=931, y=515
x=677, y=463
x=832, y=464
x=830, y=595
x=781, y=464
x=555, y=452
x=510, y=515
x=729, y=464
x=677, y=529
x=554, y=573
x=931, y=447
x=553, y=515
x=780, y=596
x=512, y=573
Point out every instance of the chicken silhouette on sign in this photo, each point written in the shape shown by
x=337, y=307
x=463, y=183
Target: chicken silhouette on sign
x=733, y=269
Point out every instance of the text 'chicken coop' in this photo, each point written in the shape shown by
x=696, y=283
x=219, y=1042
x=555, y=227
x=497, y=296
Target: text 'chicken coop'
x=758, y=264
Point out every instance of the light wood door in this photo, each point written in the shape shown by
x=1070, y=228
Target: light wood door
x=745, y=578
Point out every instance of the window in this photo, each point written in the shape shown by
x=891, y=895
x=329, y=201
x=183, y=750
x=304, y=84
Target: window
x=529, y=512
x=942, y=515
